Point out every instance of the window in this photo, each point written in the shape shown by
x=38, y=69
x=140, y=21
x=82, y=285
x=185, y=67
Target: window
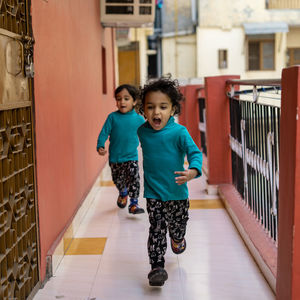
x=261, y=52
x=222, y=53
x=104, y=81
x=293, y=56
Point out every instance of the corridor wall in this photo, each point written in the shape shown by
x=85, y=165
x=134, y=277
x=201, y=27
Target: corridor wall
x=73, y=91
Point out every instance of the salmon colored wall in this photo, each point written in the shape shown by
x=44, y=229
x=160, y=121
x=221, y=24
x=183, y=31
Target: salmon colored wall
x=69, y=108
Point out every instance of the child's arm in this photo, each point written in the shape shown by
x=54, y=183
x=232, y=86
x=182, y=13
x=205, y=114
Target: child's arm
x=103, y=135
x=194, y=157
x=185, y=175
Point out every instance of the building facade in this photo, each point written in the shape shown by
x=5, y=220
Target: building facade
x=255, y=39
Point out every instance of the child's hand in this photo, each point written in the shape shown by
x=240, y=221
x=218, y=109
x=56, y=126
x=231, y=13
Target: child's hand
x=102, y=151
x=185, y=176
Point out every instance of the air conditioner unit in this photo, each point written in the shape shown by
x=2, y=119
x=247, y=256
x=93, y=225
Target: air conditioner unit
x=127, y=13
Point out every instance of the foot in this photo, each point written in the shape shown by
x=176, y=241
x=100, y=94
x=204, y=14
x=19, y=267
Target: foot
x=157, y=276
x=135, y=209
x=178, y=247
x=122, y=201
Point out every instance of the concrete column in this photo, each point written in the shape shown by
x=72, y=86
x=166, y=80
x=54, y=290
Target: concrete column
x=288, y=264
x=218, y=130
x=181, y=117
x=192, y=117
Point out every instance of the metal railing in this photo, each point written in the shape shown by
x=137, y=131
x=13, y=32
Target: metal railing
x=202, y=124
x=254, y=141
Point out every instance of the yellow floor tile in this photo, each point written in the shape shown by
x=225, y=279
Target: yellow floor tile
x=107, y=183
x=86, y=246
x=206, y=204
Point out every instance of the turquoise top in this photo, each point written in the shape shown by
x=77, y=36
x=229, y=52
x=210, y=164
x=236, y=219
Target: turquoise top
x=122, y=132
x=163, y=153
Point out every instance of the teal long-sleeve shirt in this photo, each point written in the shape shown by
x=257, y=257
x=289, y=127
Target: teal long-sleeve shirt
x=163, y=153
x=122, y=132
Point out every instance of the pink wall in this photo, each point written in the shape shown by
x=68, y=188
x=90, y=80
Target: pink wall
x=69, y=108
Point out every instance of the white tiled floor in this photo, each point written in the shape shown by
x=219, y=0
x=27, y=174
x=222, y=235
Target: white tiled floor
x=215, y=266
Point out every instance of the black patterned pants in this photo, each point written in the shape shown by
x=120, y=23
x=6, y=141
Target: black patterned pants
x=126, y=175
x=163, y=216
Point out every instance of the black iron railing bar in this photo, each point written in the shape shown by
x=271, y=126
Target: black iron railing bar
x=264, y=156
x=273, y=213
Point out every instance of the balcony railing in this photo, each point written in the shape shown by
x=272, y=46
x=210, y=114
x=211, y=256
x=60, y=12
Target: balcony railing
x=254, y=140
x=202, y=124
x=251, y=130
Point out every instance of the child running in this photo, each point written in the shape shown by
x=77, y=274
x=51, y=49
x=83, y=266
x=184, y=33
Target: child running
x=121, y=128
x=165, y=144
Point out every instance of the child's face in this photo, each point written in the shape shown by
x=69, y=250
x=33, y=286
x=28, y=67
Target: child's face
x=125, y=102
x=157, y=109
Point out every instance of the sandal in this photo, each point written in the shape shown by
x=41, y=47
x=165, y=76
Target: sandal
x=122, y=201
x=178, y=247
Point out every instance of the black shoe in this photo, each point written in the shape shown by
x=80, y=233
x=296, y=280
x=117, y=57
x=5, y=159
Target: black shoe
x=135, y=209
x=157, y=276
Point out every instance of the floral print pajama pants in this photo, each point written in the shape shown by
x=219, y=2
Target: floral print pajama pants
x=164, y=215
x=126, y=175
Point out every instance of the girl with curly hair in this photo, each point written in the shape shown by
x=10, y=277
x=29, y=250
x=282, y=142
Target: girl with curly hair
x=165, y=145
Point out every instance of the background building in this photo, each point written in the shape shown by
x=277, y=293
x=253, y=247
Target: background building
x=255, y=39
x=251, y=38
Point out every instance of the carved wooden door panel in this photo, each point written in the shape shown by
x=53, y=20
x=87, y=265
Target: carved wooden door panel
x=18, y=218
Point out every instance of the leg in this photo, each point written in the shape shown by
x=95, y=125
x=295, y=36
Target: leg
x=177, y=216
x=157, y=241
x=133, y=184
x=118, y=176
x=133, y=179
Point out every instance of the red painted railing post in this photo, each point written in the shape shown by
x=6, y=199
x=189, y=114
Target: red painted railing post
x=181, y=117
x=218, y=130
x=192, y=117
x=288, y=264
x=189, y=116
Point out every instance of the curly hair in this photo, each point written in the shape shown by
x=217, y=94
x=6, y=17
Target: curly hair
x=134, y=93
x=165, y=85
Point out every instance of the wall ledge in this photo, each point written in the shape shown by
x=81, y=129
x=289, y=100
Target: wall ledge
x=260, y=245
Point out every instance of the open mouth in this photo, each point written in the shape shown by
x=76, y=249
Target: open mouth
x=156, y=121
